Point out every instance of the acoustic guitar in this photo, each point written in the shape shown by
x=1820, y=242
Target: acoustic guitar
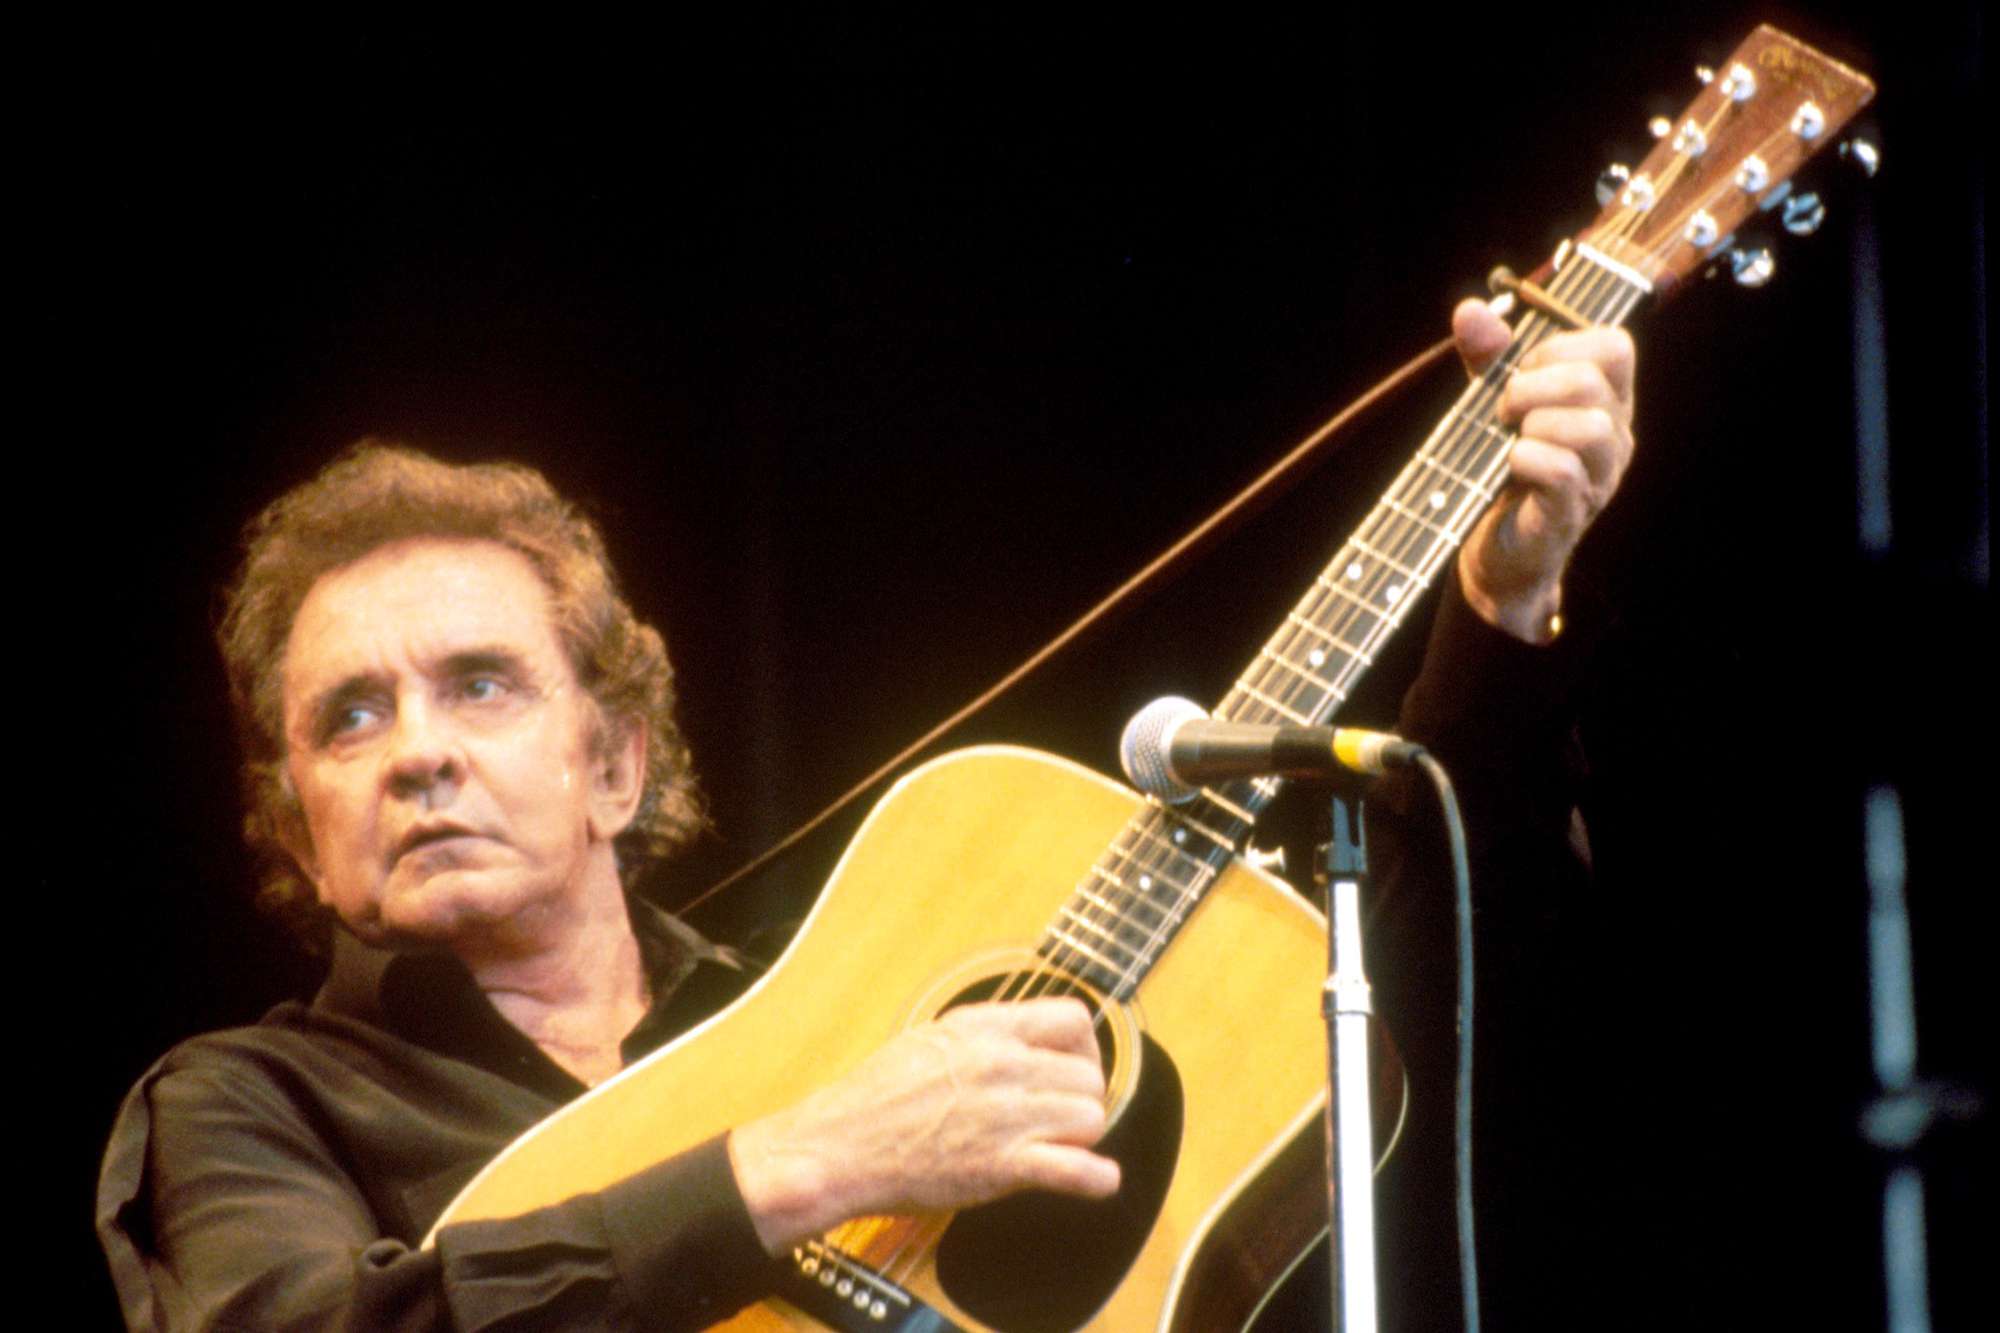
x=1201, y=968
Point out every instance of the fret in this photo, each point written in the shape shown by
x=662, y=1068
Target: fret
x=1463, y=479
x=1273, y=704
x=1415, y=517
x=1206, y=831
x=1396, y=565
x=1143, y=889
x=1455, y=512
x=1247, y=816
x=1319, y=657
x=1296, y=669
x=1109, y=936
x=1498, y=434
x=1335, y=640
x=1351, y=596
x=1105, y=904
x=1116, y=969
x=1173, y=845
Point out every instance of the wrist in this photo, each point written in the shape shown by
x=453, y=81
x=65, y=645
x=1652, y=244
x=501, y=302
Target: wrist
x=787, y=1191
x=1533, y=614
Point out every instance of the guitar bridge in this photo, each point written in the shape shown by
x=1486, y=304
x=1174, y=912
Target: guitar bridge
x=844, y=1293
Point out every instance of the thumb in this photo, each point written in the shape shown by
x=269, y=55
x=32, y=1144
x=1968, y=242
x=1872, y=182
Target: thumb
x=1481, y=335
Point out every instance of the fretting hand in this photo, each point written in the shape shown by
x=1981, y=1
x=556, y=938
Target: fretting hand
x=1571, y=401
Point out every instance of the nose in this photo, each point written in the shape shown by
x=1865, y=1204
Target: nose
x=423, y=760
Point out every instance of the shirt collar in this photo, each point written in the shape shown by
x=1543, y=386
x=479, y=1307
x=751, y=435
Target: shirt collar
x=431, y=999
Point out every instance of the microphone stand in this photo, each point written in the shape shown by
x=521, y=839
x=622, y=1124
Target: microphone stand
x=1350, y=1136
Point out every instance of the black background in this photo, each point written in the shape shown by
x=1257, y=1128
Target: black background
x=882, y=353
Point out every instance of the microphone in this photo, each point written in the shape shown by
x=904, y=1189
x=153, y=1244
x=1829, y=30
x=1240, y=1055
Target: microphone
x=1172, y=747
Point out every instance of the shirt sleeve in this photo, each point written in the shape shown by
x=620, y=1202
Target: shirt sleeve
x=1500, y=716
x=220, y=1207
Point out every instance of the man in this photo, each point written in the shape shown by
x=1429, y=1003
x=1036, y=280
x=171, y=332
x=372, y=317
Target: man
x=459, y=747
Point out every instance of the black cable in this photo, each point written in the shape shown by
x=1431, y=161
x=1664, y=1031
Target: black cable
x=1461, y=873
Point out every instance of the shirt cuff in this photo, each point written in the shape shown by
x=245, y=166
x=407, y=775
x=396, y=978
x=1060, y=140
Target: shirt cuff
x=1483, y=692
x=682, y=1239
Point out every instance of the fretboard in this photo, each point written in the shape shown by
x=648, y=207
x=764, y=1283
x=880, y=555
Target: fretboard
x=1135, y=899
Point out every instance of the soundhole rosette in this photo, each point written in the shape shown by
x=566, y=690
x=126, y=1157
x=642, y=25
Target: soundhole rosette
x=1019, y=974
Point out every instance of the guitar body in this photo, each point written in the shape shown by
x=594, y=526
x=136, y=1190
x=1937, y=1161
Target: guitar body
x=1215, y=1065
x=1217, y=1091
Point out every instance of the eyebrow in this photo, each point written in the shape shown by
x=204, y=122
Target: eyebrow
x=486, y=660
x=479, y=660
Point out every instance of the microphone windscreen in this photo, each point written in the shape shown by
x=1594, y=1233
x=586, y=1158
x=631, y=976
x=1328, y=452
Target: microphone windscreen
x=1142, y=750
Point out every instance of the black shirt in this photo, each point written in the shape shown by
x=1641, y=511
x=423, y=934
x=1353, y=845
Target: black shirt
x=284, y=1175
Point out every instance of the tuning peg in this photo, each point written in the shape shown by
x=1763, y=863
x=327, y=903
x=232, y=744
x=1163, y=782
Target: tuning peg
x=1659, y=127
x=1802, y=213
x=1752, y=267
x=1612, y=182
x=1863, y=155
x=1704, y=75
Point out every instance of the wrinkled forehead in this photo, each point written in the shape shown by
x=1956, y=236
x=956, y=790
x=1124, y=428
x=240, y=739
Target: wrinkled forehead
x=408, y=605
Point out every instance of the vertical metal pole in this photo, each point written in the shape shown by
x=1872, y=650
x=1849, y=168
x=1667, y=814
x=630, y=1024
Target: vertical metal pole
x=1894, y=1023
x=1891, y=992
x=1349, y=1130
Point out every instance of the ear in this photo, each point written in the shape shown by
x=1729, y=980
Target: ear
x=617, y=781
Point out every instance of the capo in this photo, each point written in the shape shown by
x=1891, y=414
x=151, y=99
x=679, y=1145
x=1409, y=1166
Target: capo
x=1502, y=279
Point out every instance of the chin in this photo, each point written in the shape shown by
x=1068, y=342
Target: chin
x=448, y=908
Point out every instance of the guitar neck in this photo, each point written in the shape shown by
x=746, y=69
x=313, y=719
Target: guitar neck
x=1142, y=890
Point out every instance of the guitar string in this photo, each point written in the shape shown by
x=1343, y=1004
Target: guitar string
x=1396, y=525
x=1386, y=548
x=1388, y=537
x=1386, y=531
x=1110, y=924
x=1390, y=534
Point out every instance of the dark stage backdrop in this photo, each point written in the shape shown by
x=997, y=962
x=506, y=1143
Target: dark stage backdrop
x=882, y=354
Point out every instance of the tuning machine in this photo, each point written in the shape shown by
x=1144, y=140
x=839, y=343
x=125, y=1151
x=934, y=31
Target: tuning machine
x=1802, y=212
x=1612, y=182
x=1862, y=155
x=1752, y=266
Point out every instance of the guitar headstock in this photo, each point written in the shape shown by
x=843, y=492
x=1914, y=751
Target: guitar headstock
x=1731, y=153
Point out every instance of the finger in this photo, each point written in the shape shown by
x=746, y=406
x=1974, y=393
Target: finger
x=1053, y=1022
x=1563, y=384
x=1067, y=1169
x=1481, y=334
x=1555, y=474
x=1610, y=350
x=1056, y=1071
x=1588, y=432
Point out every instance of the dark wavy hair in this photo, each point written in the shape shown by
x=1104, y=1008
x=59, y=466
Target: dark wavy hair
x=377, y=493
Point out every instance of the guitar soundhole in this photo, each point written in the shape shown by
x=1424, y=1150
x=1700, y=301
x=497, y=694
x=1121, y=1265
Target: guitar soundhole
x=1033, y=985
x=1044, y=1263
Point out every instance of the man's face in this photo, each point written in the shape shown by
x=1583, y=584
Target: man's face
x=442, y=750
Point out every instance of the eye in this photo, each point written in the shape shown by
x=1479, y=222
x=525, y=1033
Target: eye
x=349, y=719
x=483, y=689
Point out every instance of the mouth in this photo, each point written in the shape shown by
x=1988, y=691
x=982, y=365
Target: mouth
x=430, y=835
